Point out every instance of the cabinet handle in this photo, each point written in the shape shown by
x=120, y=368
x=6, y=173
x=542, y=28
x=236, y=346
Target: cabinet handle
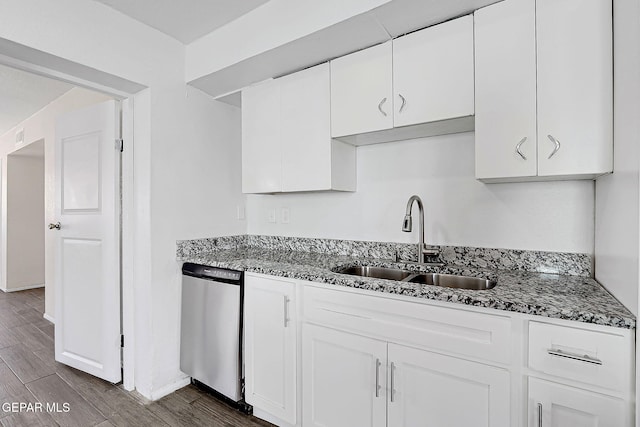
x=518, y=145
x=393, y=368
x=581, y=358
x=286, y=311
x=377, y=377
x=539, y=414
x=380, y=106
x=404, y=102
x=556, y=148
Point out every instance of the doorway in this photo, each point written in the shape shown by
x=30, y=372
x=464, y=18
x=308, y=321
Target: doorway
x=24, y=218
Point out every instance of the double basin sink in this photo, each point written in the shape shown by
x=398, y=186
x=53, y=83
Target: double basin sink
x=436, y=279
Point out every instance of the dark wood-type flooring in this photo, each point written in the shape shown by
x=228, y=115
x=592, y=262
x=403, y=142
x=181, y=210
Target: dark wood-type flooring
x=29, y=374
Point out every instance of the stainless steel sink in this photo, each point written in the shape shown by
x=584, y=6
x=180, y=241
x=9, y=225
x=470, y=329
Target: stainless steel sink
x=376, y=272
x=452, y=281
x=436, y=279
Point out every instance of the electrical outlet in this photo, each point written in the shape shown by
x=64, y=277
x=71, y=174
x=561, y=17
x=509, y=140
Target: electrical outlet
x=240, y=212
x=272, y=215
x=285, y=215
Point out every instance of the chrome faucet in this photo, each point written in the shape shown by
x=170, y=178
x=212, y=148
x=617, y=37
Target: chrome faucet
x=407, y=226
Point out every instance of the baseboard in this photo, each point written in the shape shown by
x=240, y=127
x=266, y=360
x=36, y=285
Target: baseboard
x=24, y=288
x=49, y=318
x=169, y=388
x=270, y=418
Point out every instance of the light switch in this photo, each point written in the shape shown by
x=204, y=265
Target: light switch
x=240, y=212
x=285, y=216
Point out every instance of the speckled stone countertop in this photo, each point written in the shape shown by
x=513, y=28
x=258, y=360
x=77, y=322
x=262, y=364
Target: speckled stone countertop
x=551, y=295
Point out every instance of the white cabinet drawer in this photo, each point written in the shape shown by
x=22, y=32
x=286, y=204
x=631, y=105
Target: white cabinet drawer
x=477, y=335
x=592, y=357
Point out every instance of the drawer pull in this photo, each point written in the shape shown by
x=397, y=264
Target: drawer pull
x=581, y=358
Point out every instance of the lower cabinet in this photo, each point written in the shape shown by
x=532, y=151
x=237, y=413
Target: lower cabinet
x=558, y=405
x=270, y=346
x=430, y=389
x=343, y=379
x=350, y=380
x=335, y=357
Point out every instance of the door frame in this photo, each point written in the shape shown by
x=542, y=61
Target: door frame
x=127, y=221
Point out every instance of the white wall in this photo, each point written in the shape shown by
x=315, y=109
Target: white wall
x=25, y=221
x=196, y=186
x=459, y=210
x=41, y=126
x=617, y=198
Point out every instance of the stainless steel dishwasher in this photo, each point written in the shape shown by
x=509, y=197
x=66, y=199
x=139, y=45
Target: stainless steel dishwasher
x=211, y=330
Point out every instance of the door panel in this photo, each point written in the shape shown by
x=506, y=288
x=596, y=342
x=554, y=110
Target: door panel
x=430, y=389
x=433, y=72
x=87, y=259
x=575, y=87
x=270, y=352
x=505, y=99
x=561, y=405
x=339, y=379
x=81, y=173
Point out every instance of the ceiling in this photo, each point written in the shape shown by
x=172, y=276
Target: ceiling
x=184, y=20
x=22, y=94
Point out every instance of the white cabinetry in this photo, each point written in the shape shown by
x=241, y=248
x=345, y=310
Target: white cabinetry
x=362, y=91
x=417, y=85
x=261, y=143
x=370, y=359
x=433, y=73
x=286, y=137
x=360, y=376
x=270, y=346
x=431, y=389
x=544, y=90
x=344, y=379
x=586, y=376
x=557, y=405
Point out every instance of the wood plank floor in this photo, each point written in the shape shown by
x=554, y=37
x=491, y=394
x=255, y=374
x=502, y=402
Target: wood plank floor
x=29, y=375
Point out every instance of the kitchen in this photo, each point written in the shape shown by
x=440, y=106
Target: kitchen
x=460, y=211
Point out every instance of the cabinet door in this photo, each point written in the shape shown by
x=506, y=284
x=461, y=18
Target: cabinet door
x=575, y=87
x=306, y=130
x=361, y=91
x=433, y=73
x=429, y=389
x=505, y=103
x=343, y=379
x=270, y=346
x=261, y=162
x=562, y=406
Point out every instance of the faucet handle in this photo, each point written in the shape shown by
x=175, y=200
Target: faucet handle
x=431, y=250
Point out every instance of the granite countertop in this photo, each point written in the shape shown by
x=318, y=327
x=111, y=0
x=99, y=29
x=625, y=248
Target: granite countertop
x=551, y=295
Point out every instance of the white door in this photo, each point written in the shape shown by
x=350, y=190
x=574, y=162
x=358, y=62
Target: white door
x=306, y=129
x=563, y=406
x=270, y=346
x=575, y=87
x=505, y=73
x=87, y=259
x=429, y=389
x=433, y=73
x=362, y=92
x=343, y=379
x=261, y=139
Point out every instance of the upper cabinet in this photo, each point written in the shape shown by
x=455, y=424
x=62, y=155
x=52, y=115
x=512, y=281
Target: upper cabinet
x=362, y=91
x=433, y=73
x=286, y=138
x=544, y=90
x=417, y=85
